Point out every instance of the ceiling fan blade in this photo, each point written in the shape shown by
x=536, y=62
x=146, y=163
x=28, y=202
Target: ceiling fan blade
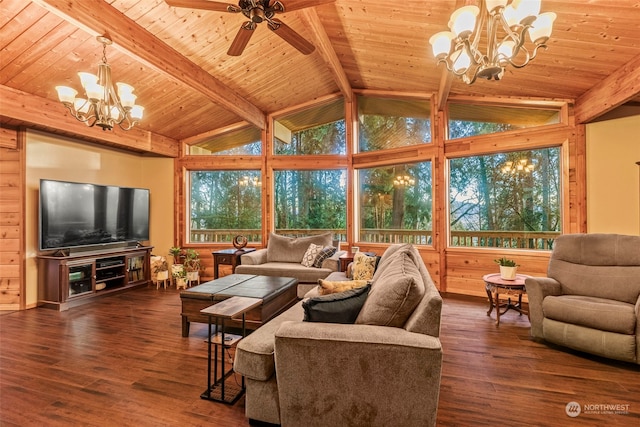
x=216, y=6
x=242, y=39
x=290, y=5
x=291, y=37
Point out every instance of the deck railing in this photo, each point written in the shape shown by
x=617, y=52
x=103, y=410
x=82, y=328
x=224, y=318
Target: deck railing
x=475, y=239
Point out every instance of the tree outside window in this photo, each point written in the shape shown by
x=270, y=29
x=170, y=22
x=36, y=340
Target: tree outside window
x=396, y=204
x=506, y=200
x=224, y=204
x=310, y=202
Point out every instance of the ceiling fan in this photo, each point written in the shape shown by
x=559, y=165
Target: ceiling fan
x=257, y=11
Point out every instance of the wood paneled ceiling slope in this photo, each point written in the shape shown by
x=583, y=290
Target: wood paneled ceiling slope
x=176, y=59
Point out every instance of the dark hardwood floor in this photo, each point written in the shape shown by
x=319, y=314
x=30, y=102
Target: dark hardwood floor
x=121, y=360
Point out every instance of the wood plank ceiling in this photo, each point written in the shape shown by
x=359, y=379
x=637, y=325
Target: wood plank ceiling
x=176, y=58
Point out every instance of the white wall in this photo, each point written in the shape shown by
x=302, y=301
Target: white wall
x=55, y=157
x=613, y=178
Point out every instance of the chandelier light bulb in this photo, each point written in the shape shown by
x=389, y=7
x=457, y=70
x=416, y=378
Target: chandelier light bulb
x=526, y=10
x=441, y=43
x=510, y=16
x=463, y=21
x=81, y=105
x=505, y=49
x=541, y=28
x=462, y=62
x=66, y=94
x=493, y=5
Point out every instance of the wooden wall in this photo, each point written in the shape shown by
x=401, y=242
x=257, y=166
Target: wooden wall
x=11, y=219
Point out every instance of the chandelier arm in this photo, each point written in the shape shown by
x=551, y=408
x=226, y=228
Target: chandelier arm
x=529, y=57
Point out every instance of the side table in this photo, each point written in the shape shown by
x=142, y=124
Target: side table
x=228, y=257
x=347, y=257
x=228, y=309
x=495, y=285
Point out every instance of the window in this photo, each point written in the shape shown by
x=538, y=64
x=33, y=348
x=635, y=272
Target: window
x=391, y=123
x=396, y=204
x=310, y=202
x=244, y=141
x=224, y=204
x=319, y=130
x=507, y=200
x=469, y=120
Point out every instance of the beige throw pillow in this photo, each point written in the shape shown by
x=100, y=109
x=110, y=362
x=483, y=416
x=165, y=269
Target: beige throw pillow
x=395, y=293
x=363, y=266
x=326, y=287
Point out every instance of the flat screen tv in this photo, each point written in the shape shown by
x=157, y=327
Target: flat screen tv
x=74, y=214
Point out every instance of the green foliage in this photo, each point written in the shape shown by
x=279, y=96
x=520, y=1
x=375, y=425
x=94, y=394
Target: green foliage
x=175, y=252
x=505, y=262
x=192, y=260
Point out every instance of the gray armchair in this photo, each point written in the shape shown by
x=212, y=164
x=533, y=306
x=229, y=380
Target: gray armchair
x=590, y=299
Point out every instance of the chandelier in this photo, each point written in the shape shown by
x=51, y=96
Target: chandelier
x=403, y=181
x=507, y=27
x=102, y=106
x=522, y=165
x=246, y=181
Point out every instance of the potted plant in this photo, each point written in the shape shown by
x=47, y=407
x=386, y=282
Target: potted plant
x=180, y=277
x=192, y=264
x=161, y=269
x=176, y=253
x=508, y=268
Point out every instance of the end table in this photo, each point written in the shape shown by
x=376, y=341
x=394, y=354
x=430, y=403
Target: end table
x=228, y=257
x=494, y=284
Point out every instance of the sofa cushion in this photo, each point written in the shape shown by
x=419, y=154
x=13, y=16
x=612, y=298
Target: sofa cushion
x=254, y=354
x=286, y=269
x=288, y=249
x=325, y=253
x=363, y=266
x=310, y=255
x=341, y=307
x=590, y=312
x=326, y=287
x=395, y=292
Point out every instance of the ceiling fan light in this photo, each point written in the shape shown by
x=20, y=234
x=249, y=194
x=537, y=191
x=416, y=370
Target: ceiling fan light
x=463, y=21
x=441, y=43
x=541, y=28
x=66, y=94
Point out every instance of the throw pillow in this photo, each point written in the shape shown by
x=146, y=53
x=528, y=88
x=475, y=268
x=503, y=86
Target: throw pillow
x=363, y=266
x=288, y=249
x=310, y=255
x=326, y=252
x=326, y=287
x=342, y=307
x=395, y=293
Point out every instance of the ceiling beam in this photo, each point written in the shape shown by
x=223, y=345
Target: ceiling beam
x=327, y=52
x=619, y=87
x=43, y=113
x=98, y=17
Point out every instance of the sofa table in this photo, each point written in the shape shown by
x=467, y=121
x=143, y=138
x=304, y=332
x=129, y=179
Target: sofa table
x=228, y=309
x=495, y=285
x=228, y=257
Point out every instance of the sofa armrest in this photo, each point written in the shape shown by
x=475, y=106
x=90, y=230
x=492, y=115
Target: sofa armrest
x=336, y=374
x=537, y=289
x=332, y=262
x=256, y=257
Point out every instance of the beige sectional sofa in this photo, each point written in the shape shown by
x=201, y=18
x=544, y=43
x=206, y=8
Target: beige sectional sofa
x=382, y=370
x=590, y=300
x=283, y=256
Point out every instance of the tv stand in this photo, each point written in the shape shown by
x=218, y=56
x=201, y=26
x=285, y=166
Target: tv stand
x=67, y=280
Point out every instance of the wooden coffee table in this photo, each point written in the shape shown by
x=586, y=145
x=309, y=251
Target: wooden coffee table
x=495, y=285
x=277, y=294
